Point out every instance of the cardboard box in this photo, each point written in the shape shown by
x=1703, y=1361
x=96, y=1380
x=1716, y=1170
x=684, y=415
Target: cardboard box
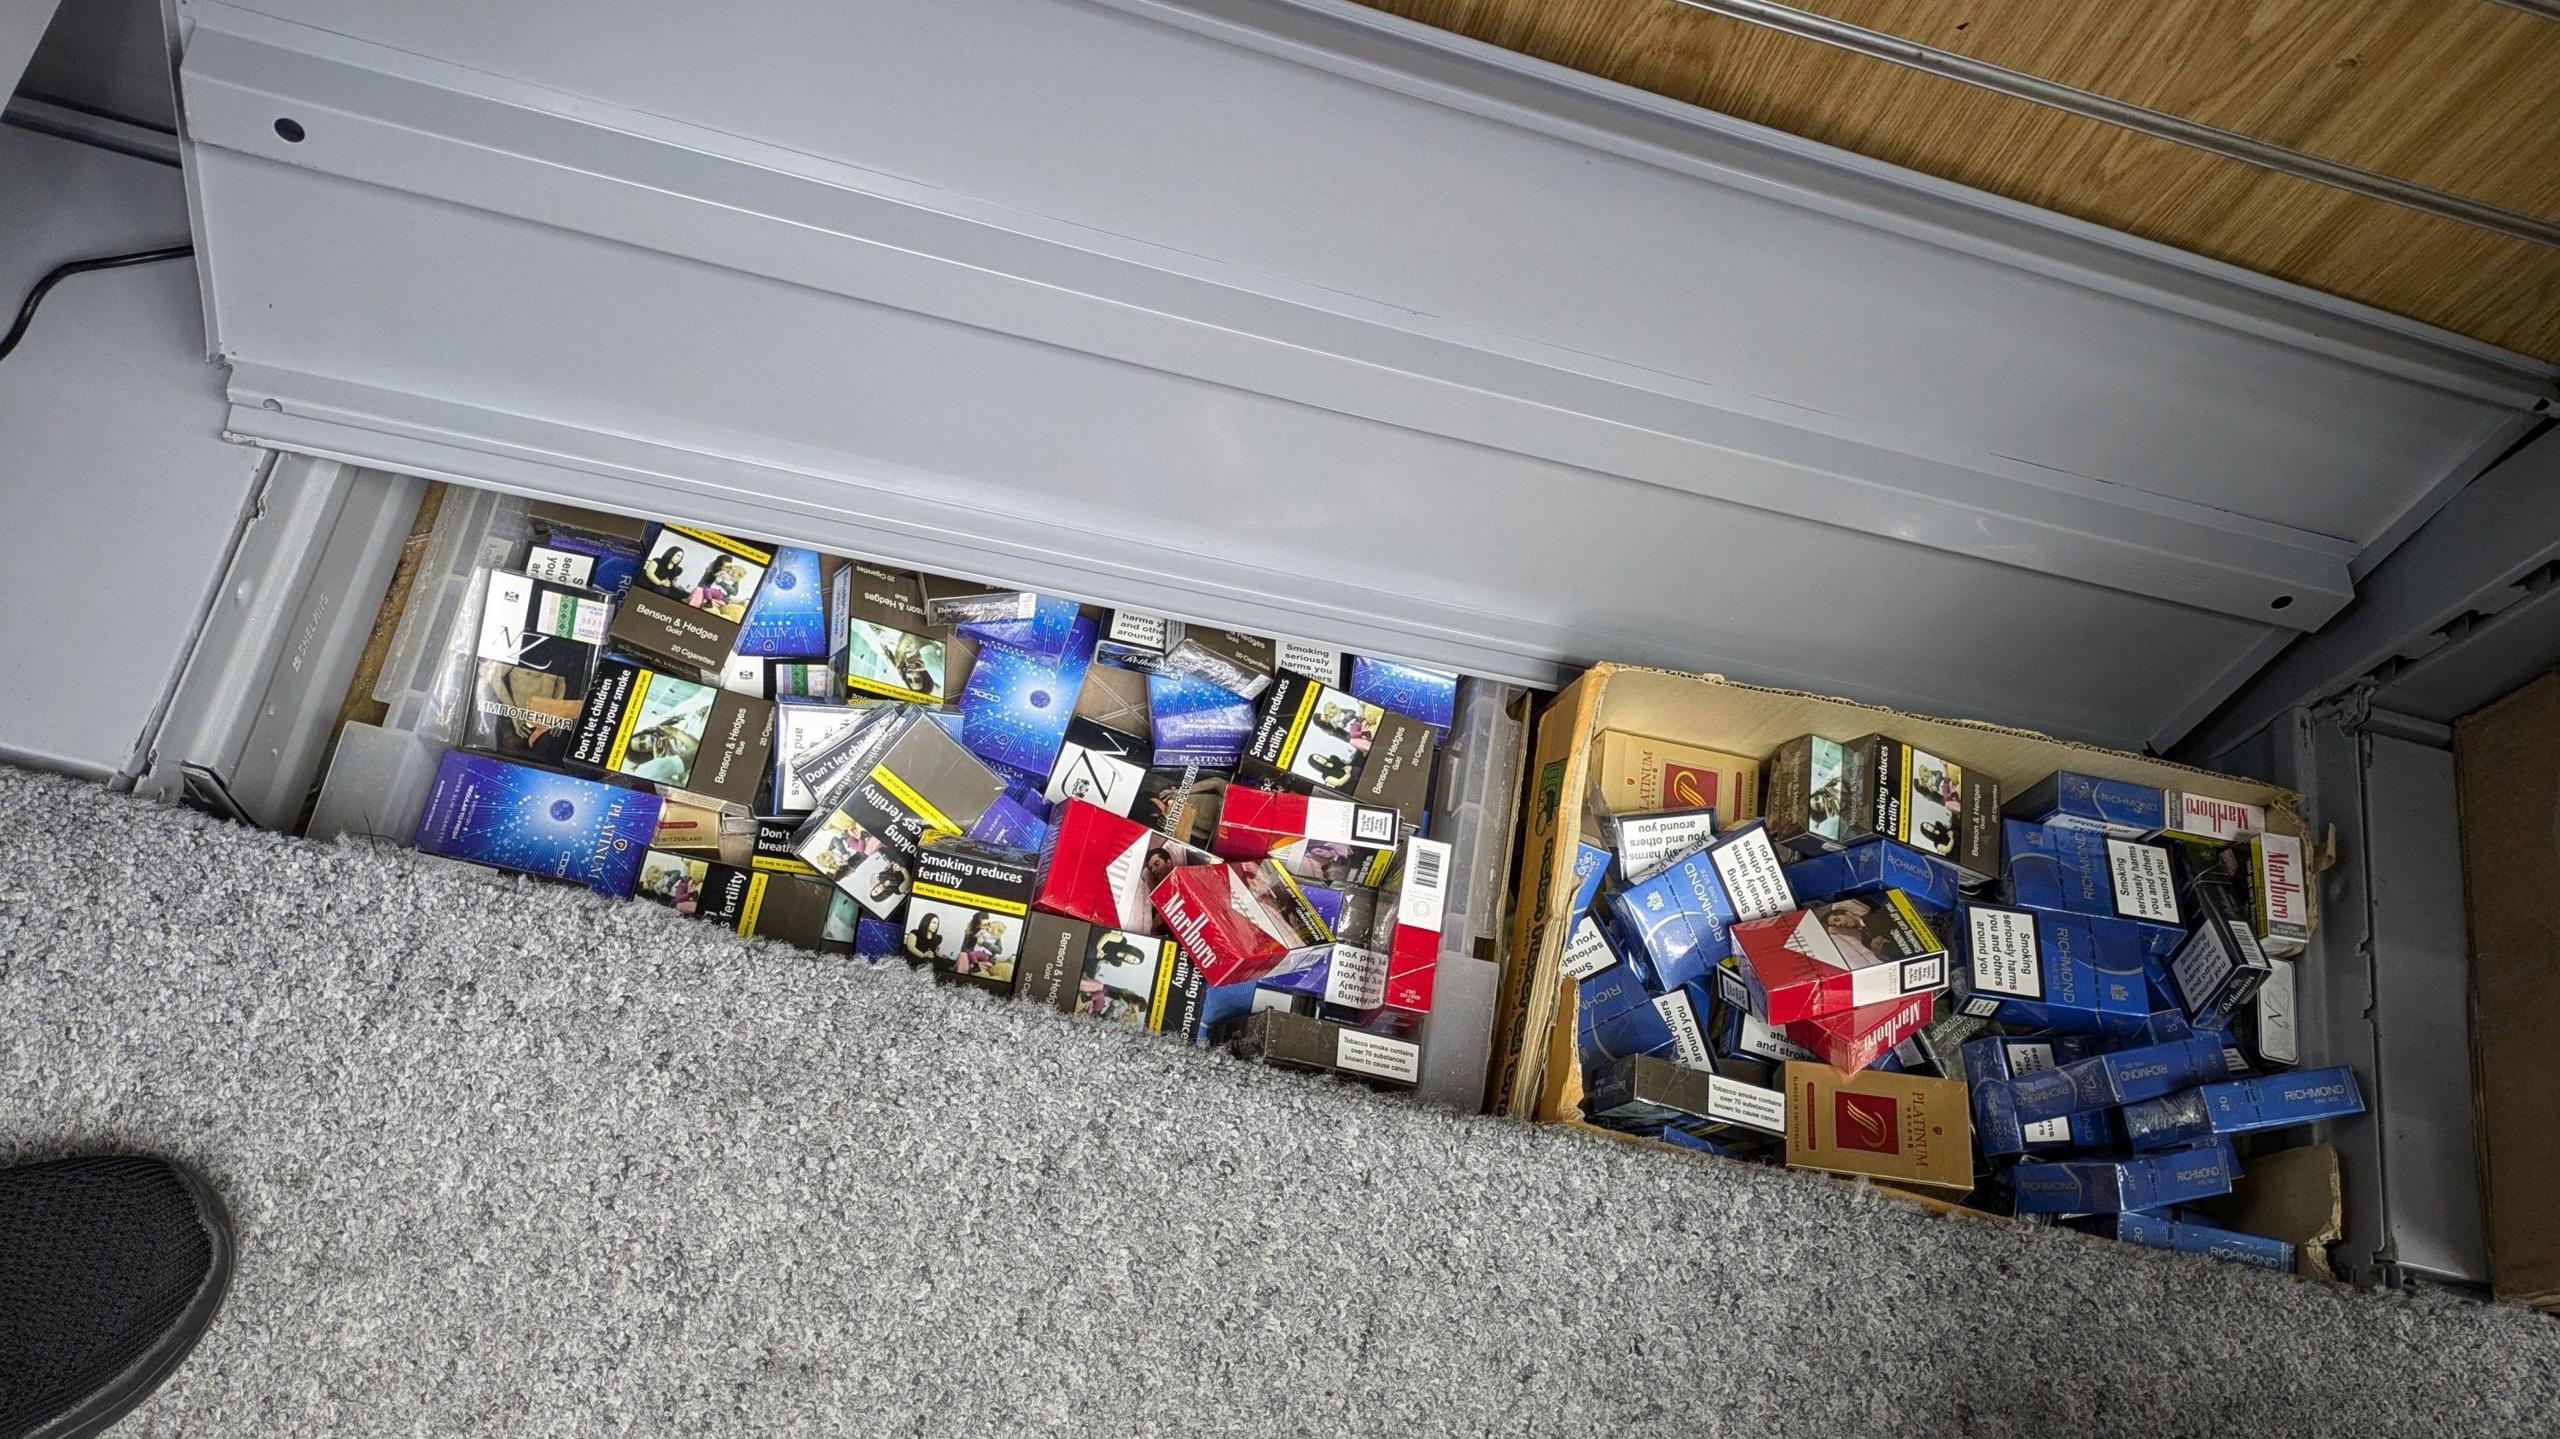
x=2045, y=970
x=1899, y=1128
x=2242, y=1106
x=1838, y=956
x=966, y=911
x=1312, y=734
x=651, y=725
x=690, y=596
x=2116, y=1186
x=1872, y=868
x=2079, y=871
x=1237, y=921
x=1638, y=774
x=1294, y=1041
x=1535, y=1066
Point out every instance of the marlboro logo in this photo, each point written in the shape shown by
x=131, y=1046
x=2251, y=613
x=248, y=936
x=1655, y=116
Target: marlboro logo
x=1868, y=1122
x=1687, y=787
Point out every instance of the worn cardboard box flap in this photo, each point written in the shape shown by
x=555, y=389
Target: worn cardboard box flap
x=2507, y=759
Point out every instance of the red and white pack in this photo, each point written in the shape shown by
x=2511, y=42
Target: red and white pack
x=1837, y=956
x=1319, y=837
x=1421, y=899
x=1103, y=868
x=1852, y=1041
x=1238, y=921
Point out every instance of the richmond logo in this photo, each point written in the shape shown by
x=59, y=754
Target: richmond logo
x=1869, y=1122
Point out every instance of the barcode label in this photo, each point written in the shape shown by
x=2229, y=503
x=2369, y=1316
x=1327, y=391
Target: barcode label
x=1425, y=892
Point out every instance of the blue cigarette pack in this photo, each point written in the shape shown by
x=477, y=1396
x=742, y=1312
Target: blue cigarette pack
x=1197, y=722
x=1992, y=1062
x=2085, y=872
x=1742, y=1035
x=1871, y=868
x=2126, y=1076
x=1430, y=696
x=1586, y=950
x=2186, y=1236
x=1618, y=1018
x=2242, y=1106
x=1015, y=709
x=2048, y=970
x=537, y=821
x=2114, y=1186
x=2070, y=800
x=1676, y=926
x=788, y=617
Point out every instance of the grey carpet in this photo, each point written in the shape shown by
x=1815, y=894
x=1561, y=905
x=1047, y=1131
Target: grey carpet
x=508, y=1159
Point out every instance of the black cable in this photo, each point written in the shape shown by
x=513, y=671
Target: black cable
x=69, y=268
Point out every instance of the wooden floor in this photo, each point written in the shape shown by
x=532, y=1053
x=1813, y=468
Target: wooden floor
x=2458, y=95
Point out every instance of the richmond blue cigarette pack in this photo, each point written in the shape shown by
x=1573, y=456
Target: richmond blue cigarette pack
x=2047, y=970
x=2242, y=1106
x=2186, y=1236
x=2067, y=799
x=1871, y=868
x=1647, y=843
x=2085, y=872
x=1618, y=1018
x=1992, y=1062
x=1742, y=1035
x=2126, y=1076
x=1678, y=924
x=2114, y=1186
x=1586, y=950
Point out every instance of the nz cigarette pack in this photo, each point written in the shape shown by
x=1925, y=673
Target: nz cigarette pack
x=2126, y=1076
x=1903, y=793
x=2186, y=1236
x=1099, y=765
x=2116, y=1186
x=881, y=642
x=1237, y=921
x=1647, y=1094
x=965, y=915
x=1637, y=774
x=2242, y=1106
x=690, y=596
x=1309, y=733
x=1105, y=868
x=1296, y=1041
x=1839, y=956
x=1678, y=924
x=1104, y=973
x=2048, y=970
x=1992, y=1062
x=652, y=725
x=1899, y=1128
x=1873, y=867
x=2080, y=871
x=1318, y=837
x=2220, y=966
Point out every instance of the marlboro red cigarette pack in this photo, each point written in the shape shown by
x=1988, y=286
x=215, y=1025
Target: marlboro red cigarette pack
x=1238, y=921
x=1319, y=838
x=1839, y=956
x=1420, y=896
x=1852, y=1041
x=1104, y=868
